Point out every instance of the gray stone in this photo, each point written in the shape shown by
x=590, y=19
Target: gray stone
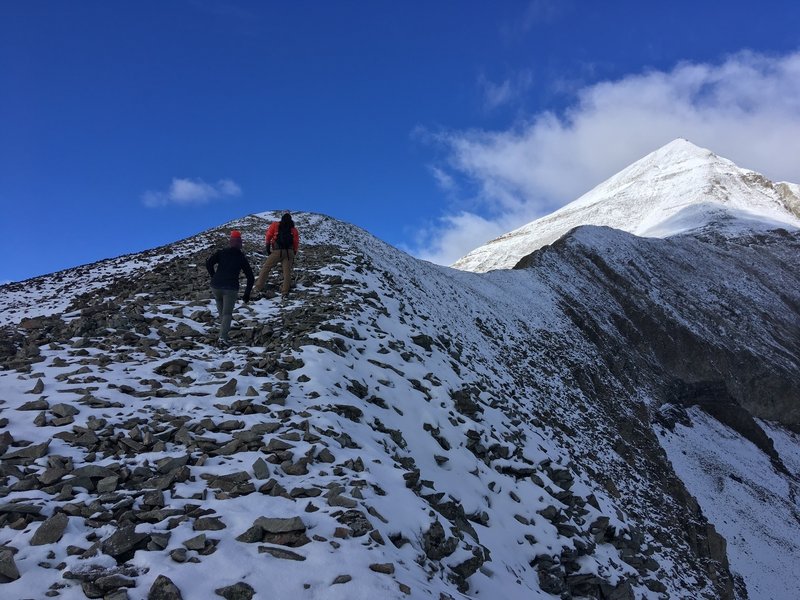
x=197, y=543
x=230, y=482
x=164, y=589
x=342, y=579
x=251, y=536
x=227, y=390
x=208, y=524
x=64, y=410
x=179, y=555
x=359, y=524
x=154, y=498
x=8, y=568
x=231, y=447
x=470, y=566
x=280, y=553
x=159, y=540
x=549, y=513
x=94, y=472
x=272, y=525
x=90, y=590
x=31, y=452
x=342, y=501
x=177, y=366
x=169, y=464
x=260, y=469
x=326, y=456
x=40, y=404
x=298, y=468
x=237, y=591
x=305, y=492
x=436, y=543
x=51, y=530
x=50, y=476
x=107, y=484
x=20, y=508
x=284, y=532
x=112, y=582
x=276, y=445
x=124, y=541
x=385, y=568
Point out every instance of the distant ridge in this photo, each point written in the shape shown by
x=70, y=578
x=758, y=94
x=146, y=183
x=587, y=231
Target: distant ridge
x=677, y=188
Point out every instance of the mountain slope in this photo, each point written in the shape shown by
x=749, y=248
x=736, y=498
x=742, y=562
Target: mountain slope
x=677, y=188
x=397, y=429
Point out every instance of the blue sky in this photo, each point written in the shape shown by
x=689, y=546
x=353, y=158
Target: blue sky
x=434, y=125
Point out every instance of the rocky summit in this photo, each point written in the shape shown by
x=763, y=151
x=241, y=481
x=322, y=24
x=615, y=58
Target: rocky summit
x=616, y=418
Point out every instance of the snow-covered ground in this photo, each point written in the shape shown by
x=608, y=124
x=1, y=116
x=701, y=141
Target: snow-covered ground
x=408, y=415
x=752, y=505
x=53, y=294
x=392, y=394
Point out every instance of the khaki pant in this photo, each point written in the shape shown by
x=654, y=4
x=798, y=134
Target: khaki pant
x=283, y=256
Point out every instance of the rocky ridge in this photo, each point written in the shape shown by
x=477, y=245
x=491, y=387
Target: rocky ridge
x=428, y=433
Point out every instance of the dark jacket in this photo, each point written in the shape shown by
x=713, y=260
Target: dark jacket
x=229, y=262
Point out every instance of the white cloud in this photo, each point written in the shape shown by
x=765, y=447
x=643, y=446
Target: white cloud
x=746, y=108
x=189, y=192
x=443, y=179
x=462, y=230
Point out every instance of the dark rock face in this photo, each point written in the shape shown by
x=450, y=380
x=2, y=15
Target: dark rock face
x=662, y=309
x=714, y=398
x=659, y=321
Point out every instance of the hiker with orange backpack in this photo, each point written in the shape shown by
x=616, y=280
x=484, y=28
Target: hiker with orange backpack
x=283, y=240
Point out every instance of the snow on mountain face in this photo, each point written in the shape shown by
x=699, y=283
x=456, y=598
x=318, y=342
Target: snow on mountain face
x=399, y=429
x=675, y=189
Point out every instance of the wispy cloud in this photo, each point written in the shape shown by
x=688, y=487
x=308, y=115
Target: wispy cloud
x=444, y=180
x=507, y=91
x=191, y=192
x=746, y=108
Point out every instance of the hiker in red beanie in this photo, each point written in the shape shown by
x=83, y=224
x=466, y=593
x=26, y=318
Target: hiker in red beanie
x=224, y=267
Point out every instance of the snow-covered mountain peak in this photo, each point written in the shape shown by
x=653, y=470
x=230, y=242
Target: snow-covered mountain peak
x=646, y=198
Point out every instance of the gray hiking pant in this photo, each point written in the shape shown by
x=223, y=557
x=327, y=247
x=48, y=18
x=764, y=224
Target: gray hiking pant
x=226, y=300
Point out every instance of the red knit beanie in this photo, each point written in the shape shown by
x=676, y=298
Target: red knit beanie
x=236, y=239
